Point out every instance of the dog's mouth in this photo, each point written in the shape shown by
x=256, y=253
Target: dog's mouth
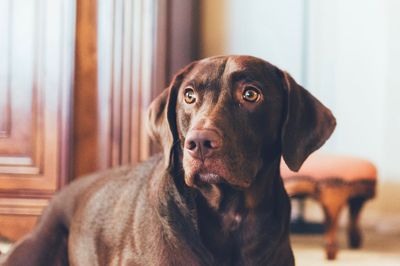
x=200, y=179
x=212, y=172
x=213, y=180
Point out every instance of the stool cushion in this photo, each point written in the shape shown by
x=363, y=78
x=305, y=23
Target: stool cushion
x=323, y=166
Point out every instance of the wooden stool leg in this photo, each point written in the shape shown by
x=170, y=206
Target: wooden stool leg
x=353, y=230
x=333, y=200
x=331, y=224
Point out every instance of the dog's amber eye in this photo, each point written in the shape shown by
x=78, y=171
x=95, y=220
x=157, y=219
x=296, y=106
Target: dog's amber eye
x=190, y=96
x=251, y=94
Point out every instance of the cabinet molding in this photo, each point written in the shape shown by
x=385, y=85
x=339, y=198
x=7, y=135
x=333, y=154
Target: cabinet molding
x=35, y=91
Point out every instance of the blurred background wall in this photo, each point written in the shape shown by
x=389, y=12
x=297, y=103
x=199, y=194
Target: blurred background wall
x=347, y=53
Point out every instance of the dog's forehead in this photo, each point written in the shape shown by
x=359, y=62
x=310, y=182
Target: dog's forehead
x=223, y=67
x=243, y=63
x=208, y=69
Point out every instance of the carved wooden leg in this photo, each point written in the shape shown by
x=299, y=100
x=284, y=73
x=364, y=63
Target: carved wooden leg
x=333, y=199
x=353, y=230
x=331, y=222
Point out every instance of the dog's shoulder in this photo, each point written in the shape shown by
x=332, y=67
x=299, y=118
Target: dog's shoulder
x=108, y=208
x=106, y=188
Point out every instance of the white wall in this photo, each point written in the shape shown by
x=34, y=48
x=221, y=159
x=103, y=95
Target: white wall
x=275, y=34
x=353, y=53
x=253, y=27
x=346, y=52
x=347, y=68
x=391, y=116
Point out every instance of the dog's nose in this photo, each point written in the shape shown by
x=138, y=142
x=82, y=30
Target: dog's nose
x=202, y=143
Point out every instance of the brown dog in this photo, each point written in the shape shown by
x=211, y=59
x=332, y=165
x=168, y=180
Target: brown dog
x=215, y=197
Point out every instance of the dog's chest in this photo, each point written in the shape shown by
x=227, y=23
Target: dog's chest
x=231, y=221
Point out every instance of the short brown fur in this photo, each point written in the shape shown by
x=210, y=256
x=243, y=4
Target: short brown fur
x=223, y=204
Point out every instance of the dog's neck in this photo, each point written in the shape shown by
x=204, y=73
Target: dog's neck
x=260, y=189
x=224, y=221
x=231, y=228
x=231, y=205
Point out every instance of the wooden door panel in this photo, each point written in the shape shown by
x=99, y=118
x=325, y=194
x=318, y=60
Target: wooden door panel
x=33, y=69
x=36, y=64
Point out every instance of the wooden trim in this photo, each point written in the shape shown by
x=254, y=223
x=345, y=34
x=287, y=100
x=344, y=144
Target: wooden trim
x=140, y=44
x=26, y=193
x=66, y=97
x=148, y=44
x=21, y=206
x=183, y=37
x=137, y=53
x=85, y=104
x=5, y=66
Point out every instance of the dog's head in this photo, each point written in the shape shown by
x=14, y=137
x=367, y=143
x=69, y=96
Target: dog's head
x=229, y=116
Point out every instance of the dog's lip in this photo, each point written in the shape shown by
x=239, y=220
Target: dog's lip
x=203, y=179
x=201, y=174
x=210, y=178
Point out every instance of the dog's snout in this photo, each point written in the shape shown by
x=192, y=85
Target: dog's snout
x=203, y=143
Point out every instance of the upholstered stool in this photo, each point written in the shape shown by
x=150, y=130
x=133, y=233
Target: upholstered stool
x=334, y=181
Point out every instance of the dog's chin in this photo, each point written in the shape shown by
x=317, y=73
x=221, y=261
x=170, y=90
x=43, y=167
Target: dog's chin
x=199, y=179
x=205, y=179
x=209, y=178
x=200, y=174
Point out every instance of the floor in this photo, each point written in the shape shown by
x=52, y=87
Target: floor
x=381, y=230
x=4, y=246
x=379, y=250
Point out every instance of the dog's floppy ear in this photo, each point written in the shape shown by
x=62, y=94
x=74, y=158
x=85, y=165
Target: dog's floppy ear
x=308, y=124
x=161, y=124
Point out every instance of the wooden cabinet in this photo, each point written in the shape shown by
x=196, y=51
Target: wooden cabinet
x=36, y=59
x=76, y=78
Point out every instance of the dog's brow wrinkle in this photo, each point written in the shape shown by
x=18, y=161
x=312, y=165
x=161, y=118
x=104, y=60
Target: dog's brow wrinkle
x=223, y=67
x=244, y=75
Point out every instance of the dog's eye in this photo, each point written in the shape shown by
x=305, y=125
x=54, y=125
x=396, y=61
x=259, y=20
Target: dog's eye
x=190, y=96
x=251, y=94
